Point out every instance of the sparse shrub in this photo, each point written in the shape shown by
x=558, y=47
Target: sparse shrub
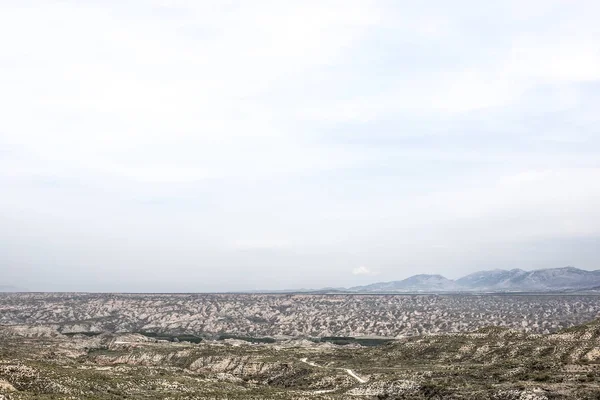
x=541, y=377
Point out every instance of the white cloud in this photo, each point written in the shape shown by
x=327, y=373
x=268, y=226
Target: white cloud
x=362, y=270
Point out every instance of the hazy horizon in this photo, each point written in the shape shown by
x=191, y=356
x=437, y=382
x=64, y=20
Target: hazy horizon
x=373, y=280
x=263, y=290
x=208, y=147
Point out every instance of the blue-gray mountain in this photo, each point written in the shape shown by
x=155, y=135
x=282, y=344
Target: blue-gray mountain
x=499, y=280
x=10, y=289
x=423, y=282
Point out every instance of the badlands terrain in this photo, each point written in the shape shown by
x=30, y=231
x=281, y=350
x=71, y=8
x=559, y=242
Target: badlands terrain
x=299, y=346
x=296, y=315
x=492, y=363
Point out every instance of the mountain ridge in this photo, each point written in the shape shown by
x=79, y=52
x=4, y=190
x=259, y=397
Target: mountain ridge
x=10, y=289
x=498, y=280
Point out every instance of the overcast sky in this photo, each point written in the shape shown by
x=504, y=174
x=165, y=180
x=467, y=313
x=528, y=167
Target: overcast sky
x=223, y=145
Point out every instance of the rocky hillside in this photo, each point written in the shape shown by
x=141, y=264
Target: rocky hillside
x=298, y=315
x=489, y=364
x=498, y=279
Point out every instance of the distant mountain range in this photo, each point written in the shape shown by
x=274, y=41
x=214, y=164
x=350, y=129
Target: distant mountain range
x=420, y=282
x=10, y=289
x=498, y=280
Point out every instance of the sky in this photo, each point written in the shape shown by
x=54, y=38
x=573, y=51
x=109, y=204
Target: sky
x=233, y=145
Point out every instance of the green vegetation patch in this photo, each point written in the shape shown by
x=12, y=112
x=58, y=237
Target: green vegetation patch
x=346, y=340
x=172, y=338
x=247, y=338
